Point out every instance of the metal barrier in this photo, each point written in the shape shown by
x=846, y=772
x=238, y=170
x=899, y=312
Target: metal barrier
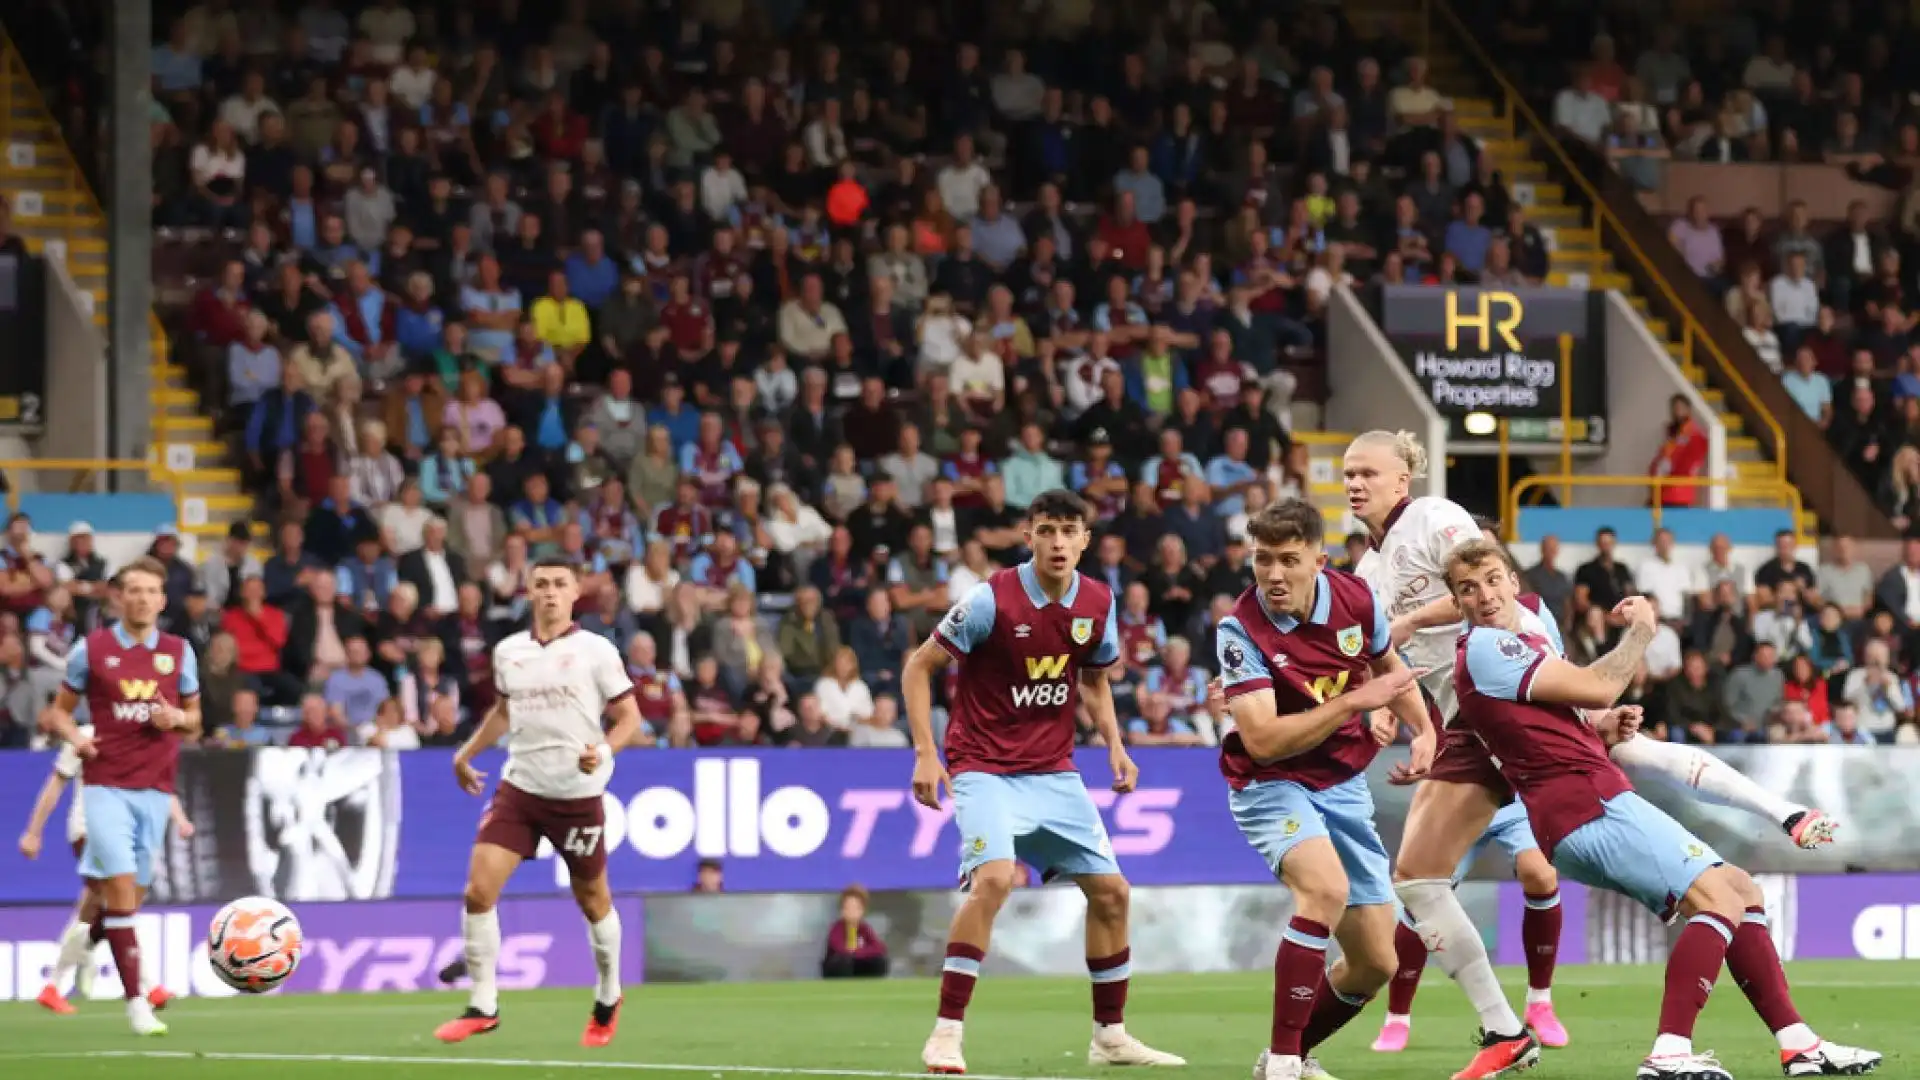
x=1787, y=494
x=1692, y=334
x=84, y=469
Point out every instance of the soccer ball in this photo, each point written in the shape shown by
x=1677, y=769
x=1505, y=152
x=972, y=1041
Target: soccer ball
x=254, y=944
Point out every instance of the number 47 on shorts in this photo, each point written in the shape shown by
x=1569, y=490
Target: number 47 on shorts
x=582, y=840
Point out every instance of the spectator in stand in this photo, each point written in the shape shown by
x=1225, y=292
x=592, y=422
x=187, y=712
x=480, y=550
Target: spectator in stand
x=1682, y=455
x=1878, y=695
x=843, y=697
x=1752, y=690
x=854, y=950
x=318, y=729
x=1603, y=581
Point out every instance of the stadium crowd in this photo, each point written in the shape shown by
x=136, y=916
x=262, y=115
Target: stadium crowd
x=1829, y=306
x=774, y=318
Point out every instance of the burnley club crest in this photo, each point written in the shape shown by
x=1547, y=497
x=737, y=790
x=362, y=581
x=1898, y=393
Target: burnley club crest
x=1350, y=641
x=1082, y=631
x=163, y=664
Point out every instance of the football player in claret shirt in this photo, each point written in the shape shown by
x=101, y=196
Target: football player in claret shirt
x=1032, y=643
x=1410, y=540
x=1305, y=658
x=1542, y=721
x=142, y=689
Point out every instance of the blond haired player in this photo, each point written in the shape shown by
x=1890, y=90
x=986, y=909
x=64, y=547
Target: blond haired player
x=77, y=946
x=555, y=684
x=1411, y=540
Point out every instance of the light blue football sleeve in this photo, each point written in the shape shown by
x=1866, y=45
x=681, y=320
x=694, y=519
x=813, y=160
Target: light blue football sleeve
x=969, y=622
x=1242, y=667
x=1107, y=653
x=189, y=673
x=1501, y=664
x=1380, y=638
x=40, y=621
x=77, y=665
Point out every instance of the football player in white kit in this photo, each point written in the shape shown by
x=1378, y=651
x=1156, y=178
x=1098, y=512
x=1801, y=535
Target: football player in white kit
x=76, y=942
x=556, y=683
x=1410, y=541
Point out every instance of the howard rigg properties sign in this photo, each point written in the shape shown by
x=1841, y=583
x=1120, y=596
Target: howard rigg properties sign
x=1497, y=351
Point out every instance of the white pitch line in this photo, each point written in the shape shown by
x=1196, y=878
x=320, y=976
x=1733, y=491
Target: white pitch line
x=499, y=1063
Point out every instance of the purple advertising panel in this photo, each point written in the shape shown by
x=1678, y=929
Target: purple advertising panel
x=1813, y=917
x=353, y=947
x=361, y=824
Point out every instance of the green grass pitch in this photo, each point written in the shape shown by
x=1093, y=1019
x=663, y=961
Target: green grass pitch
x=1017, y=1029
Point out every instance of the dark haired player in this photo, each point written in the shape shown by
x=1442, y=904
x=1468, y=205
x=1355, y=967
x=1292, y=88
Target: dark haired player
x=1032, y=643
x=555, y=686
x=1537, y=715
x=143, y=695
x=1305, y=656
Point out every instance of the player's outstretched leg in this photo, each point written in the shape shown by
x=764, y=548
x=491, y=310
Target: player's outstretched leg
x=1540, y=935
x=1755, y=966
x=1442, y=825
x=75, y=956
x=1312, y=872
x=1702, y=775
x=1109, y=967
x=487, y=873
x=603, y=934
x=988, y=886
x=1410, y=953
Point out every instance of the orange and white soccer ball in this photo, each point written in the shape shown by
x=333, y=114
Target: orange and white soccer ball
x=254, y=944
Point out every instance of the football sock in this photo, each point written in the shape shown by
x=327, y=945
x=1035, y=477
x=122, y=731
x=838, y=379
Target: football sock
x=1332, y=1009
x=1755, y=966
x=1299, y=969
x=482, y=934
x=1110, y=975
x=1692, y=969
x=76, y=948
x=1412, y=953
x=1457, y=947
x=957, y=976
x=605, y=938
x=117, y=928
x=1540, y=934
x=1703, y=776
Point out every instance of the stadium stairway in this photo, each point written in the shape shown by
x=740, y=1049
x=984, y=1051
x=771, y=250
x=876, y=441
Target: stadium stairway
x=56, y=213
x=1579, y=261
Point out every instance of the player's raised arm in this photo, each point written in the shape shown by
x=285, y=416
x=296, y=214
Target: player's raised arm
x=1504, y=665
x=1269, y=736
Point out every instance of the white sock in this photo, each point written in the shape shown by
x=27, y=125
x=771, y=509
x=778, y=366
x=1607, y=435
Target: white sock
x=1539, y=997
x=942, y=1026
x=605, y=938
x=1703, y=776
x=1402, y=1019
x=76, y=948
x=1455, y=945
x=482, y=934
x=1797, y=1037
x=1671, y=1046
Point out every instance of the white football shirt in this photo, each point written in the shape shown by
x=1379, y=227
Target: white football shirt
x=68, y=766
x=556, y=694
x=1409, y=570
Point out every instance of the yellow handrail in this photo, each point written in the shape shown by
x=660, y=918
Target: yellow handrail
x=160, y=474
x=1788, y=495
x=1691, y=330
